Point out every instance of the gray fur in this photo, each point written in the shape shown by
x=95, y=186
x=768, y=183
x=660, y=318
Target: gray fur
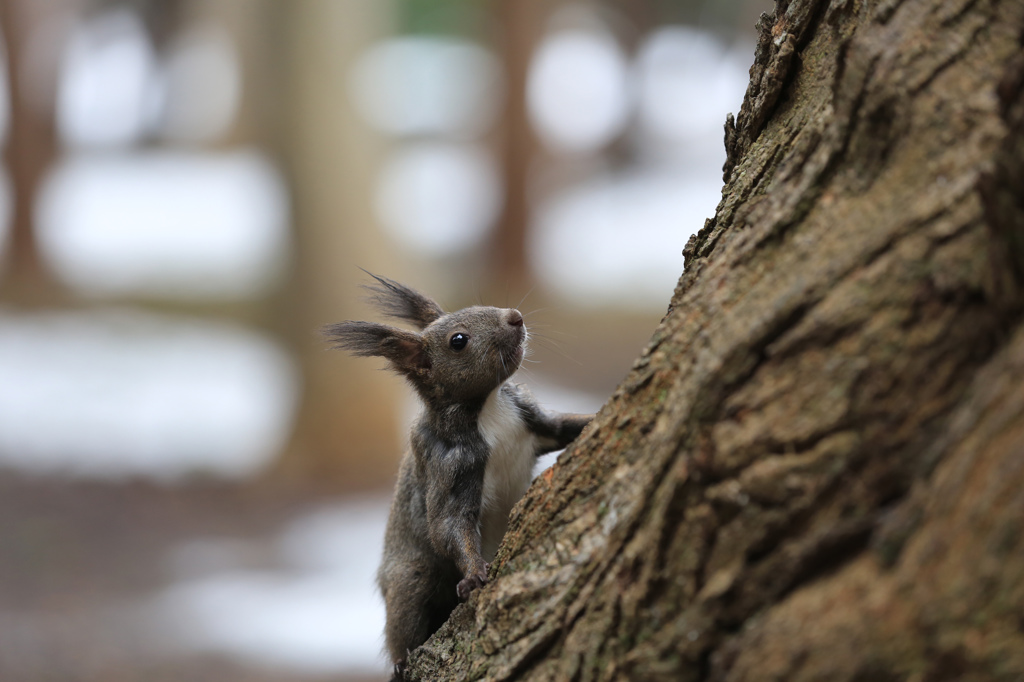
x=402, y=303
x=433, y=556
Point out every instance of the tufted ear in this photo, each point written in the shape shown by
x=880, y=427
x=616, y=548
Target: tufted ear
x=400, y=302
x=406, y=351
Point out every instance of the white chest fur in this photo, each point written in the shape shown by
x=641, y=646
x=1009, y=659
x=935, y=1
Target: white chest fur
x=509, y=466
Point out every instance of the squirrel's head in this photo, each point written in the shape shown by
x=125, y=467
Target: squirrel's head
x=454, y=357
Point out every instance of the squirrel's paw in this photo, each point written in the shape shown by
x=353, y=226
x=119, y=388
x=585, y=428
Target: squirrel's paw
x=470, y=583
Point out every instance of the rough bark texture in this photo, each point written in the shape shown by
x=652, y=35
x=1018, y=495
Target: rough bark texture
x=815, y=471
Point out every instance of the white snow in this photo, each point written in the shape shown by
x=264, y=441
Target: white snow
x=321, y=613
x=616, y=237
x=165, y=224
x=617, y=240
x=112, y=393
x=688, y=80
x=439, y=198
x=106, y=94
x=577, y=90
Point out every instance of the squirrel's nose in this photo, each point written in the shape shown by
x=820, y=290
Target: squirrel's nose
x=515, y=318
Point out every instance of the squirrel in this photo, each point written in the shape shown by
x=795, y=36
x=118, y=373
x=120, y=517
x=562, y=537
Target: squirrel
x=471, y=457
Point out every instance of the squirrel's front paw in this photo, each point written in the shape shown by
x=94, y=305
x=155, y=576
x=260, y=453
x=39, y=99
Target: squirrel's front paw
x=471, y=582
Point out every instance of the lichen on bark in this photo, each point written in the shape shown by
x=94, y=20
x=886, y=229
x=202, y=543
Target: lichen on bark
x=815, y=470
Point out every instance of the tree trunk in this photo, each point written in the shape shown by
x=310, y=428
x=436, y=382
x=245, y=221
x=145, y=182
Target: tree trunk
x=522, y=24
x=31, y=147
x=815, y=470
x=347, y=432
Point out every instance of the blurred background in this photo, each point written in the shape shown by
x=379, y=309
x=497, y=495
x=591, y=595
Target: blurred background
x=191, y=485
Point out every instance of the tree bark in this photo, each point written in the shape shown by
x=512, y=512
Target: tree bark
x=815, y=470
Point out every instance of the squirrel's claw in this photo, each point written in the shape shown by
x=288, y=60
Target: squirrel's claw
x=470, y=583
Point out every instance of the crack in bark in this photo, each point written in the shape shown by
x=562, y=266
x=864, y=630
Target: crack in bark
x=924, y=78
x=787, y=30
x=532, y=654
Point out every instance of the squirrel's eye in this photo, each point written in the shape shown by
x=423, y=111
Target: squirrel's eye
x=458, y=341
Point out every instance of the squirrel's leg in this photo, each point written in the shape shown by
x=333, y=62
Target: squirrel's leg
x=554, y=430
x=418, y=599
x=455, y=485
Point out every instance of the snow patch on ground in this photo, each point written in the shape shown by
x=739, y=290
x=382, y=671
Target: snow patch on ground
x=114, y=393
x=319, y=612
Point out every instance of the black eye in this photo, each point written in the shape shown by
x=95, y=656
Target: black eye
x=458, y=341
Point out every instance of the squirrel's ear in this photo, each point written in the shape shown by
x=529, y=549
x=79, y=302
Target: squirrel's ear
x=399, y=301
x=405, y=350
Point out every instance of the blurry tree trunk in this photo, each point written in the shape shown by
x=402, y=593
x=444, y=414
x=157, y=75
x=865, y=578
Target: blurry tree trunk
x=31, y=145
x=347, y=433
x=520, y=24
x=816, y=468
